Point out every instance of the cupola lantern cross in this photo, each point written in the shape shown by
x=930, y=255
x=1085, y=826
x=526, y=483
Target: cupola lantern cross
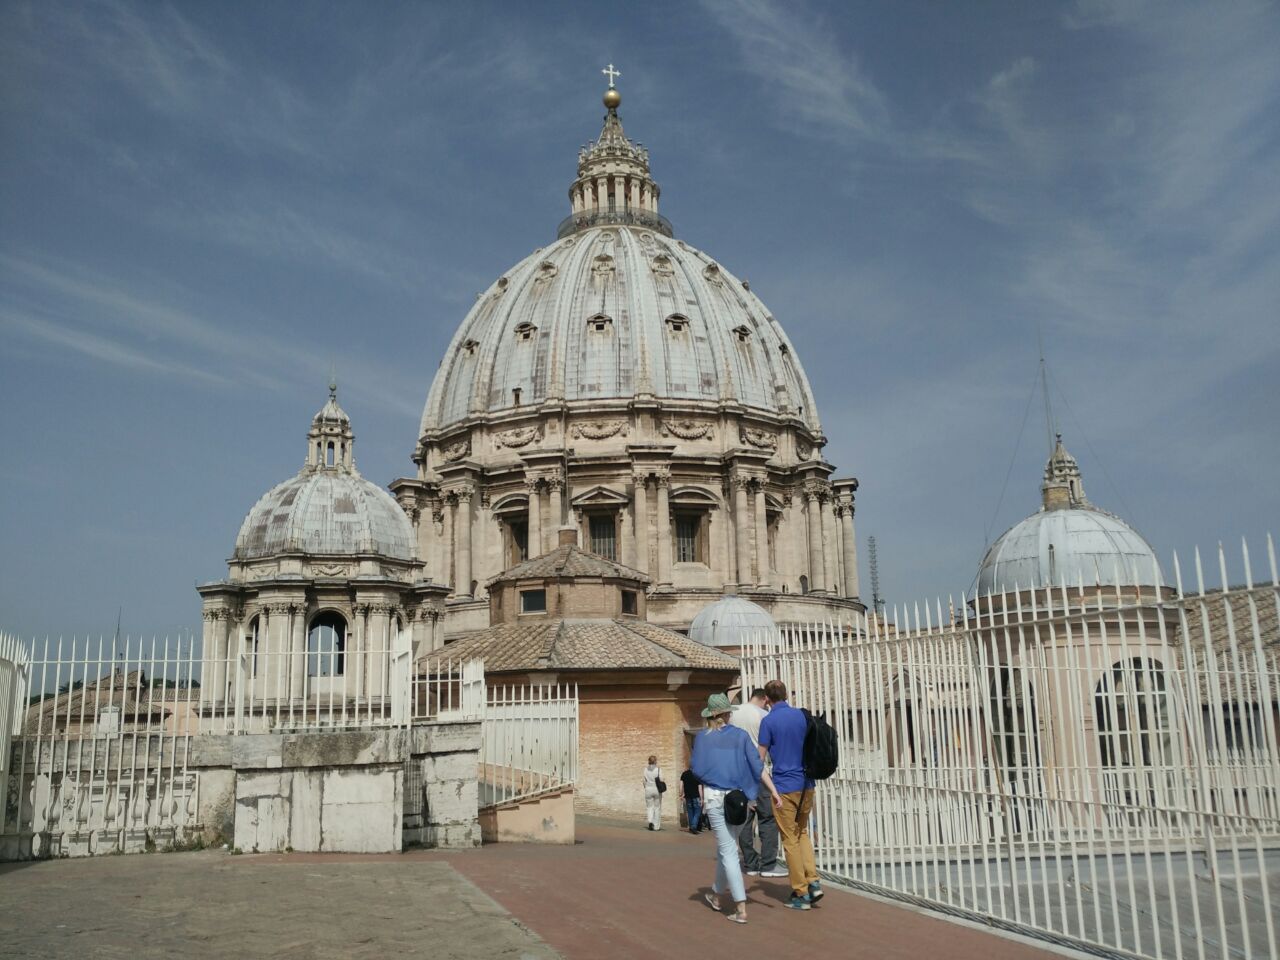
x=612, y=74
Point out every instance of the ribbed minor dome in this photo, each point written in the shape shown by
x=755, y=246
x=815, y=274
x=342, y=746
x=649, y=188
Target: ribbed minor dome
x=326, y=511
x=1069, y=541
x=730, y=622
x=328, y=508
x=1071, y=546
x=616, y=312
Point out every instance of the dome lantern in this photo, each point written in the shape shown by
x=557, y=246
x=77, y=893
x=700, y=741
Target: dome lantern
x=330, y=441
x=613, y=183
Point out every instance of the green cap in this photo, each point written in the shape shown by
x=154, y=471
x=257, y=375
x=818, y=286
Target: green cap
x=717, y=703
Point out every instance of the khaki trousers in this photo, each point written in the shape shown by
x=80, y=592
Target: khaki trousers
x=793, y=824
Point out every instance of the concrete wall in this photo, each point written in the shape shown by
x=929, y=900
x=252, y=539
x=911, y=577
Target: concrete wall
x=340, y=791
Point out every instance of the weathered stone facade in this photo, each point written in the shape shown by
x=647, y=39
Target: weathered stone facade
x=621, y=381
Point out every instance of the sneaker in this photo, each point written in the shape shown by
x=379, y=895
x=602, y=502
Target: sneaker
x=753, y=873
x=798, y=902
x=815, y=892
x=774, y=873
x=649, y=826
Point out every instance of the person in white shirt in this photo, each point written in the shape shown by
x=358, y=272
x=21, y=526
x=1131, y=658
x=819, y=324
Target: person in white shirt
x=763, y=863
x=652, y=795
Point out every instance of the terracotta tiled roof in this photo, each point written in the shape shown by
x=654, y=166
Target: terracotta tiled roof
x=569, y=644
x=1236, y=669
x=127, y=692
x=569, y=560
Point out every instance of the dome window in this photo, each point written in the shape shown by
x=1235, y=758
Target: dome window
x=470, y=347
x=326, y=645
x=546, y=272
x=742, y=333
x=600, y=323
x=602, y=266
x=784, y=350
x=677, y=323
x=661, y=265
x=525, y=331
x=712, y=272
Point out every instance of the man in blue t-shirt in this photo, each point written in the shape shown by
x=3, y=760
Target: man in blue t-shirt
x=782, y=733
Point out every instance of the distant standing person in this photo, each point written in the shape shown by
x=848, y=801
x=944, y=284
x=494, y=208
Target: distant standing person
x=782, y=740
x=652, y=795
x=748, y=717
x=691, y=789
x=725, y=761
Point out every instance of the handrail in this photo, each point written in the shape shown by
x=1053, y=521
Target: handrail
x=627, y=217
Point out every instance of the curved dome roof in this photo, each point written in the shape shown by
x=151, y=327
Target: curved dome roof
x=326, y=511
x=328, y=508
x=611, y=313
x=614, y=309
x=1068, y=541
x=729, y=622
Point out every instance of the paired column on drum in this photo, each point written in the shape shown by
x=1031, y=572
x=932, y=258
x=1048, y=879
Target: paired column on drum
x=742, y=527
x=813, y=491
x=640, y=508
x=762, y=536
x=662, y=479
x=533, y=484
x=848, y=538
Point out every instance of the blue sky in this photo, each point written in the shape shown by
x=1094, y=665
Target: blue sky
x=203, y=205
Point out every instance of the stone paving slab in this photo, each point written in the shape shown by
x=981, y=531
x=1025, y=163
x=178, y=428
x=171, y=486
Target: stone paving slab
x=214, y=905
x=622, y=892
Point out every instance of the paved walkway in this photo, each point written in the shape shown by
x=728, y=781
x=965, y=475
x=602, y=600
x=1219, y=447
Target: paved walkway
x=214, y=906
x=626, y=893
x=620, y=892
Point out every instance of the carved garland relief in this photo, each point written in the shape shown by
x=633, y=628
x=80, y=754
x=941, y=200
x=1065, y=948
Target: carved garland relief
x=599, y=429
x=519, y=436
x=456, y=450
x=687, y=429
x=761, y=439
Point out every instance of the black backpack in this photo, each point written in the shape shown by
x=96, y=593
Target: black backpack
x=821, y=747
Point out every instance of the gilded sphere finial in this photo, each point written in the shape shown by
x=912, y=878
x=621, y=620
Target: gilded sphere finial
x=612, y=98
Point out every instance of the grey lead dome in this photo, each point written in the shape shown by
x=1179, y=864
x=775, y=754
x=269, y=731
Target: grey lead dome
x=614, y=313
x=328, y=508
x=1069, y=541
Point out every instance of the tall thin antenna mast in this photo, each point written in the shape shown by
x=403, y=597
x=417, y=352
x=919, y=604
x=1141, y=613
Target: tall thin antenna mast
x=1044, y=389
x=877, y=602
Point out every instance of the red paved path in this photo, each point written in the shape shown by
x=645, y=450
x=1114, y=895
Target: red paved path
x=622, y=892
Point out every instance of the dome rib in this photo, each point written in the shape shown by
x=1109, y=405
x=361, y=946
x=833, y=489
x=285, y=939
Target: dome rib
x=639, y=356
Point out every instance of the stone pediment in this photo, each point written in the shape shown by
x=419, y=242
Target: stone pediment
x=599, y=496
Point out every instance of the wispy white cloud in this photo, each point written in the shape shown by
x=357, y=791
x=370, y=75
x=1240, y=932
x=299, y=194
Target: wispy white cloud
x=116, y=326
x=98, y=348
x=814, y=83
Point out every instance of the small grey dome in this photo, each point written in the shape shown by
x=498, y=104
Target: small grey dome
x=326, y=511
x=729, y=622
x=1074, y=545
x=1069, y=541
x=328, y=508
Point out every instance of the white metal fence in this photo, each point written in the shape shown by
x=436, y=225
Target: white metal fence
x=96, y=733
x=530, y=744
x=98, y=754
x=1097, y=765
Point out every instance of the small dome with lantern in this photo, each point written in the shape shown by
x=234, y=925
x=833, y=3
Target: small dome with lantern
x=328, y=508
x=1067, y=542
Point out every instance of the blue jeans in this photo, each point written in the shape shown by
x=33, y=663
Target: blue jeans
x=693, y=808
x=728, y=869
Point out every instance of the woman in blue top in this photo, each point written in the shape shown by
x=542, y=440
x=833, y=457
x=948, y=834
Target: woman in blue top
x=724, y=759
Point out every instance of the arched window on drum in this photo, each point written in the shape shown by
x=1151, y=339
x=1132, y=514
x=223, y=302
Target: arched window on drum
x=1135, y=720
x=326, y=645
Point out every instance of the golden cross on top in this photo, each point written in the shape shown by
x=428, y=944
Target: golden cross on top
x=612, y=74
